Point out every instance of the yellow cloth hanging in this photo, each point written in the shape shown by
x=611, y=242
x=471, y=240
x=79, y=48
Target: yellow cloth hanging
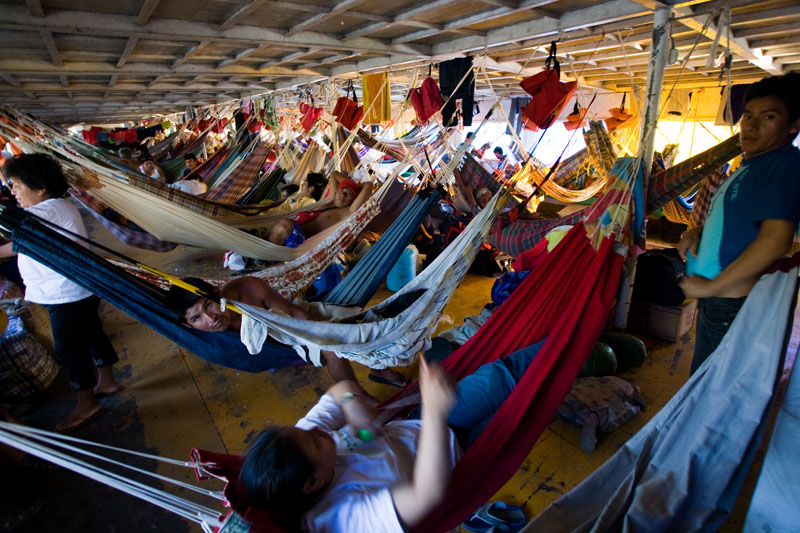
x=376, y=87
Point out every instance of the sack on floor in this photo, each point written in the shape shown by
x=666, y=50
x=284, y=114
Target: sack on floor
x=26, y=368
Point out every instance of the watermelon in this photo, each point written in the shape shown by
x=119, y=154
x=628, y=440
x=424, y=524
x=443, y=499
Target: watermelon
x=630, y=350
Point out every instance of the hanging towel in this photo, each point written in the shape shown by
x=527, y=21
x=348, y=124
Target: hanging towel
x=376, y=87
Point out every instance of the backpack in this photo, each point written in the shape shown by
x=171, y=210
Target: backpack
x=549, y=95
x=657, y=275
x=426, y=99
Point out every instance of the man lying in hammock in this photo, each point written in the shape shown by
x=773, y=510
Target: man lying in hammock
x=348, y=197
x=205, y=314
x=320, y=473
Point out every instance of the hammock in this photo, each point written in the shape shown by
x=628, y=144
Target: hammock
x=361, y=283
x=685, y=468
x=243, y=177
x=394, y=331
x=130, y=236
x=142, y=301
x=668, y=184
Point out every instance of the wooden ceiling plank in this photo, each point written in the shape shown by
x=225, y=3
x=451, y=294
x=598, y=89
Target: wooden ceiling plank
x=241, y=55
x=146, y=11
x=189, y=53
x=130, y=45
x=240, y=14
x=11, y=80
x=35, y=7
x=339, y=8
x=52, y=49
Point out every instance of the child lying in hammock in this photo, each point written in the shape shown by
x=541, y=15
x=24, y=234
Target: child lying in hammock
x=205, y=314
x=319, y=473
x=348, y=197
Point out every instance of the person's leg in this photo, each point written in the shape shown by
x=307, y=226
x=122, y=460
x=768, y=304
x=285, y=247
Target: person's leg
x=100, y=347
x=71, y=349
x=714, y=318
x=482, y=393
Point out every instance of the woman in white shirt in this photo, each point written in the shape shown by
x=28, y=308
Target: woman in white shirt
x=81, y=346
x=150, y=169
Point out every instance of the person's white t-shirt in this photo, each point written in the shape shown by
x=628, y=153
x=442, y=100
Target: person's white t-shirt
x=42, y=284
x=190, y=186
x=359, y=498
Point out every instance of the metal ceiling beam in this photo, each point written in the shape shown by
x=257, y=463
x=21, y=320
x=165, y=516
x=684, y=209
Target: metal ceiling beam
x=146, y=11
x=126, y=53
x=52, y=49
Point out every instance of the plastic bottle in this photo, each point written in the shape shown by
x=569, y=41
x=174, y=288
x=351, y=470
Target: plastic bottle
x=404, y=270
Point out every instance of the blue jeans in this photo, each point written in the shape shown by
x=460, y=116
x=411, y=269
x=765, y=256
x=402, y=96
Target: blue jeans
x=481, y=394
x=714, y=317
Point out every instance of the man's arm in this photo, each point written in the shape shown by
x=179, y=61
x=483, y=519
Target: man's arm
x=363, y=195
x=5, y=250
x=773, y=241
x=272, y=299
x=415, y=499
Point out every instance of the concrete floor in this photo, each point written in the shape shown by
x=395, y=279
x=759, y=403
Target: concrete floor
x=173, y=402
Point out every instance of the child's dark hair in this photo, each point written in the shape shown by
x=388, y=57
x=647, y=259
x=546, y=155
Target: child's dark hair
x=785, y=88
x=37, y=172
x=178, y=299
x=290, y=189
x=274, y=474
x=317, y=182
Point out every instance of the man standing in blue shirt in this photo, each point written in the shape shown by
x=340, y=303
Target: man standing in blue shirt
x=753, y=216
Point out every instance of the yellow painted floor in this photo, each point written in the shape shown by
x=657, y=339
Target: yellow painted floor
x=173, y=401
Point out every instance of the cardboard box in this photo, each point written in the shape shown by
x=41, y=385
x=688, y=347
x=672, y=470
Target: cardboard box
x=664, y=322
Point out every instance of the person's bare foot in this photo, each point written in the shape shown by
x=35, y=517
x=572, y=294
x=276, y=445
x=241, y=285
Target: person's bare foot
x=106, y=384
x=387, y=376
x=77, y=418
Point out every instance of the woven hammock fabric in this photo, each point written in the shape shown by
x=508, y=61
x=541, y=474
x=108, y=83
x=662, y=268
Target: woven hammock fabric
x=243, y=177
x=668, y=184
x=142, y=301
x=683, y=470
x=393, y=332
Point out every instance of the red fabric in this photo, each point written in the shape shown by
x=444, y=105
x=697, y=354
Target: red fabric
x=567, y=299
x=310, y=115
x=531, y=259
x=306, y=216
x=549, y=97
x=426, y=99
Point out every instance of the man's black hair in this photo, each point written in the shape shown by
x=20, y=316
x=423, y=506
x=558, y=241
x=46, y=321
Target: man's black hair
x=37, y=172
x=317, y=182
x=498, y=150
x=178, y=299
x=274, y=473
x=190, y=155
x=785, y=88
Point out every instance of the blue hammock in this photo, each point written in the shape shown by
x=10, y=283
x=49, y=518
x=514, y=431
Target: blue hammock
x=139, y=299
x=365, y=278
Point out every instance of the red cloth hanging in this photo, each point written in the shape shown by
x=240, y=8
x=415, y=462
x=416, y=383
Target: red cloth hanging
x=426, y=99
x=549, y=94
x=310, y=115
x=347, y=111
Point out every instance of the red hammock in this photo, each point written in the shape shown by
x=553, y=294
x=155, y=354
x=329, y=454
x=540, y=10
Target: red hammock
x=567, y=299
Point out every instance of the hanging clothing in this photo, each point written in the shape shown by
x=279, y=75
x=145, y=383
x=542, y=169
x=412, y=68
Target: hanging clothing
x=678, y=103
x=737, y=105
x=450, y=74
x=376, y=98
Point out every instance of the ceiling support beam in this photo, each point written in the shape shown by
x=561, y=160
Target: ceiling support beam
x=189, y=53
x=146, y=12
x=241, y=13
x=52, y=49
x=63, y=79
x=287, y=58
x=9, y=79
x=341, y=7
x=35, y=7
x=126, y=53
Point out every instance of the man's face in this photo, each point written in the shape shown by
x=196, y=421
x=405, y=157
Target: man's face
x=319, y=448
x=343, y=197
x=191, y=163
x=765, y=126
x=206, y=315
